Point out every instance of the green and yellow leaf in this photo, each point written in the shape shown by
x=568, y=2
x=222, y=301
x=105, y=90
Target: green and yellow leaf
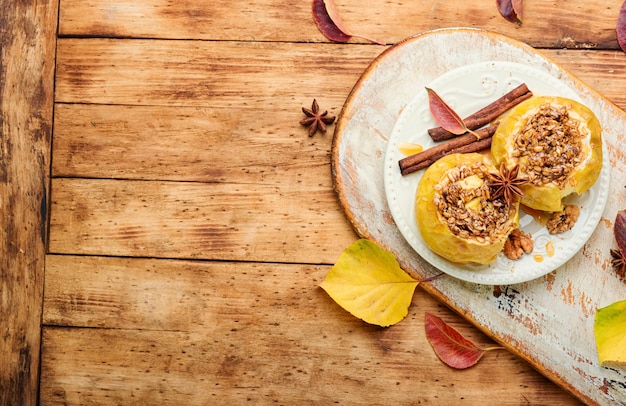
x=610, y=333
x=367, y=281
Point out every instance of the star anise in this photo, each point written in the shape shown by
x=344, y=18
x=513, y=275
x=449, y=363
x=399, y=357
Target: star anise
x=506, y=183
x=314, y=120
x=618, y=262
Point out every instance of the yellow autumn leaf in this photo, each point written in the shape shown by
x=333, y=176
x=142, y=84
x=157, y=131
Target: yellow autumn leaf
x=367, y=281
x=610, y=332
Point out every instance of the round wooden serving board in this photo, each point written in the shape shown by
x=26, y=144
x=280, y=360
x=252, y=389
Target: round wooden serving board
x=548, y=321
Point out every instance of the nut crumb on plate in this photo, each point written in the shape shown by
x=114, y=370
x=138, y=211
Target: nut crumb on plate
x=563, y=220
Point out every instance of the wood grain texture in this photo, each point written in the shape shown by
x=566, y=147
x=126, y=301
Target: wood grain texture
x=212, y=145
x=202, y=74
x=250, y=75
x=172, y=332
x=176, y=136
x=576, y=24
x=246, y=222
x=27, y=41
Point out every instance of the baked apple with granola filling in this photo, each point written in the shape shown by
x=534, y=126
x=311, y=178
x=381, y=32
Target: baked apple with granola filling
x=466, y=208
x=557, y=144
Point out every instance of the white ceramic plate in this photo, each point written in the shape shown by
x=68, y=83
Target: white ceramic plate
x=467, y=89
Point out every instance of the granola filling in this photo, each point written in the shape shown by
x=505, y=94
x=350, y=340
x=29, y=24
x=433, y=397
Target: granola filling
x=463, y=201
x=550, y=145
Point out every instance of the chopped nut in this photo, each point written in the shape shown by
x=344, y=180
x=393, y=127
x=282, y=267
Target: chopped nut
x=518, y=244
x=563, y=220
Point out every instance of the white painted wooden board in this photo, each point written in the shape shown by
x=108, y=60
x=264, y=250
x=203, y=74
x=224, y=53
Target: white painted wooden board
x=547, y=321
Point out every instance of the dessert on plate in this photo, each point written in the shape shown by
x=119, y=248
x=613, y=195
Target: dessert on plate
x=557, y=143
x=543, y=150
x=460, y=212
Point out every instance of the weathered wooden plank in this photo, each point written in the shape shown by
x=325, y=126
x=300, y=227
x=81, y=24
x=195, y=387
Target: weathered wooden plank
x=27, y=42
x=294, y=364
x=192, y=144
x=244, y=75
x=177, y=332
x=204, y=73
x=546, y=24
x=196, y=220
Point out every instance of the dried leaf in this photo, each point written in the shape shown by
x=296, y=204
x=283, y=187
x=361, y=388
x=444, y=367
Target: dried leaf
x=618, y=256
x=367, y=281
x=449, y=345
x=517, y=7
x=444, y=115
x=330, y=24
x=621, y=27
x=326, y=25
x=619, y=231
x=511, y=10
x=610, y=333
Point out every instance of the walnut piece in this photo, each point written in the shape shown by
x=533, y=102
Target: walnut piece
x=563, y=220
x=518, y=244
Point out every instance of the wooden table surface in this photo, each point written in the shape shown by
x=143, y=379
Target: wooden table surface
x=166, y=222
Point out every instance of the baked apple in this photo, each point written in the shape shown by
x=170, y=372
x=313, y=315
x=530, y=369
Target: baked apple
x=462, y=210
x=557, y=144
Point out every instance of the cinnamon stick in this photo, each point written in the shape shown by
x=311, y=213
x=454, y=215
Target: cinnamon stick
x=475, y=146
x=438, y=149
x=487, y=113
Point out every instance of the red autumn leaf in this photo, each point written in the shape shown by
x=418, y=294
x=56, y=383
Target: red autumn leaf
x=517, y=7
x=326, y=25
x=621, y=27
x=444, y=115
x=329, y=23
x=511, y=10
x=618, y=256
x=449, y=345
x=619, y=231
